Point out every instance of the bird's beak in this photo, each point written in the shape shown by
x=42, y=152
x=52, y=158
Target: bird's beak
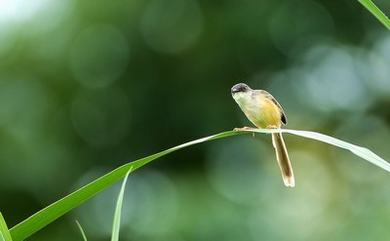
x=235, y=89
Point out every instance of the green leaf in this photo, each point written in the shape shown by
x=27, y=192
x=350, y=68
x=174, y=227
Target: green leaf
x=47, y=215
x=370, y=6
x=118, y=210
x=357, y=150
x=4, y=232
x=81, y=231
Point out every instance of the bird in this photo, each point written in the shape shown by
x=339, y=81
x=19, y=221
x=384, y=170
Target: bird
x=264, y=111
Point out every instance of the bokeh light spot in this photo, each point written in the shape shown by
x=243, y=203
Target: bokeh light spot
x=375, y=67
x=295, y=33
x=173, y=29
x=150, y=201
x=299, y=211
x=99, y=56
x=19, y=10
x=153, y=202
x=330, y=82
x=236, y=170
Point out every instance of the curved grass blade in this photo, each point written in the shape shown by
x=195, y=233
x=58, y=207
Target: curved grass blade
x=357, y=150
x=47, y=215
x=370, y=6
x=81, y=231
x=4, y=232
x=118, y=210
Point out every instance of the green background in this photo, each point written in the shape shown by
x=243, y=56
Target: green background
x=86, y=86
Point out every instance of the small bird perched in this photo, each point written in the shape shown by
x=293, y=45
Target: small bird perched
x=262, y=109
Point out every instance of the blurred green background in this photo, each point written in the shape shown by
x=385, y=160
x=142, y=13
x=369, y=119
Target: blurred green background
x=86, y=86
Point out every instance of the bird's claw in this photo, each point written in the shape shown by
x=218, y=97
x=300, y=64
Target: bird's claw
x=245, y=128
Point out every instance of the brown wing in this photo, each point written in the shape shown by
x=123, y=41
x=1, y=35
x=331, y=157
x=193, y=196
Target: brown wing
x=283, y=115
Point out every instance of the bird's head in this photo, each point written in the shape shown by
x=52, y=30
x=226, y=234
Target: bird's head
x=241, y=91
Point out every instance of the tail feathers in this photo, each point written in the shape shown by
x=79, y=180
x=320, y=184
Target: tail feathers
x=283, y=159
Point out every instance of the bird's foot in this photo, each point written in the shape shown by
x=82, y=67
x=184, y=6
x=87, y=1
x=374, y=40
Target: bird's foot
x=245, y=128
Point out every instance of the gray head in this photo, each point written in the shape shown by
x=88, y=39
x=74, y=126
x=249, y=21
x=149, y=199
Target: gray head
x=240, y=88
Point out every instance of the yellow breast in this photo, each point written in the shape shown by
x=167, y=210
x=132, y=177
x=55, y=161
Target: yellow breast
x=263, y=113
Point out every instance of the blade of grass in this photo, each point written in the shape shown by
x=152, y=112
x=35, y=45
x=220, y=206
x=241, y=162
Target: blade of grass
x=357, y=150
x=370, y=6
x=4, y=232
x=81, y=231
x=47, y=215
x=118, y=210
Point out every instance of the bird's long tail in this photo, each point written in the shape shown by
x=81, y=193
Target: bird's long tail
x=283, y=159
